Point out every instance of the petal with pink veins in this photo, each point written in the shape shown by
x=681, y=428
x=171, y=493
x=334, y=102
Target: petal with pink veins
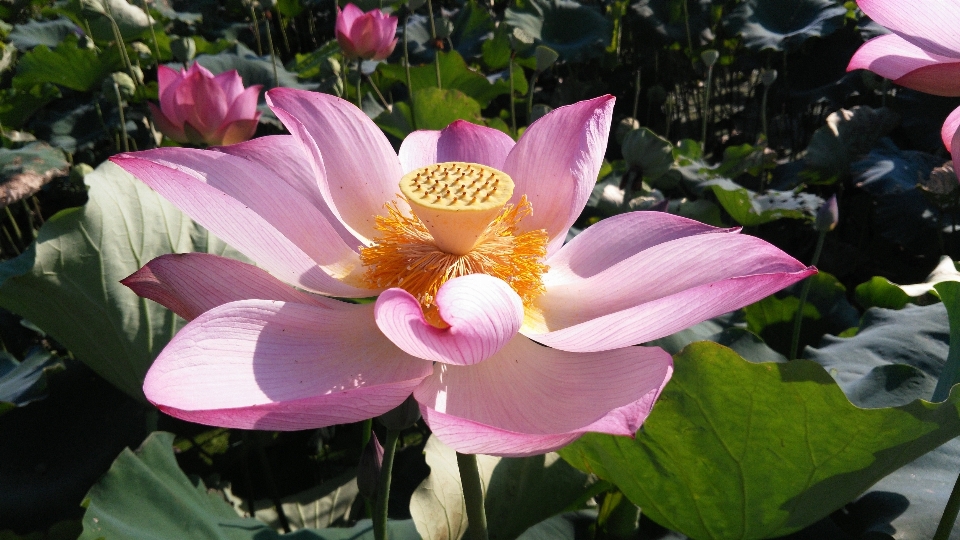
x=555, y=164
x=362, y=170
x=892, y=57
x=255, y=212
x=659, y=291
x=529, y=399
x=203, y=103
x=244, y=107
x=231, y=83
x=236, y=131
x=189, y=284
x=460, y=141
x=285, y=156
x=483, y=312
x=419, y=149
x=263, y=364
x=929, y=24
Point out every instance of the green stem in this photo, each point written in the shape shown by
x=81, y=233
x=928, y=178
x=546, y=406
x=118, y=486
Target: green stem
x=406, y=67
x=27, y=212
x=686, y=21
x=763, y=112
x=153, y=33
x=383, y=489
x=256, y=29
x=376, y=90
x=273, y=53
x=13, y=222
x=798, y=318
x=283, y=32
x=949, y=516
x=359, y=80
x=513, y=105
x=433, y=35
x=636, y=95
x=530, y=86
x=706, y=110
x=473, y=496
x=123, y=120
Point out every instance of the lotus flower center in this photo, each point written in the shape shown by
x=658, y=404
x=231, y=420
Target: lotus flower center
x=460, y=224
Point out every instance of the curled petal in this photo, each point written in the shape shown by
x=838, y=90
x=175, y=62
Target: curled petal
x=930, y=24
x=670, y=286
x=259, y=364
x=191, y=283
x=483, y=312
x=362, y=170
x=949, y=130
x=529, y=399
x=555, y=164
x=904, y=63
x=168, y=80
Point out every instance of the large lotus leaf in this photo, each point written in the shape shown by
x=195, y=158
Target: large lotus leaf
x=575, y=31
x=903, y=215
x=666, y=19
x=472, y=27
x=437, y=109
x=650, y=154
x=848, y=135
x=146, y=492
x=740, y=450
x=17, y=106
x=561, y=527
x=24, y=382
x=880, y=292
x=518, y=493
x=750, y=208
x=784, y=25
x=454, y=75
x=50, y=33
x=25, y=170
x=71, y=124
x=946, y=270
x=314, y=508
x=132, y=22
x=68, y=282
x=67, y=65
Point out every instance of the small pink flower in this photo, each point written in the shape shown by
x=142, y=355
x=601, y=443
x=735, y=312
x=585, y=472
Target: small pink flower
x=199, y=108
x=370, y=36
x=922, y=53
x=513, y=341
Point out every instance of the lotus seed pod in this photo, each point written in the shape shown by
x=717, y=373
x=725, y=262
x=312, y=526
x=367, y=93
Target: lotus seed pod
x=709, y=57
x=368, y=470
x=625, y=126
x=124, y=83
x=657, y=94
x=545, y=57
x=183, y=49
x=401, y=417
x=828, y=215
x=768, y=76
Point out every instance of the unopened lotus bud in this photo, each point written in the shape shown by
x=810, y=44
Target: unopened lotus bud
x=545, y=57
x=368, y=471
x=657, y=94
x=625, y=126
x=538, y=111
x=124, y=83
x=86, y=42
x=137, y=74
x=768, y=77
x=142, y=50
x=401, y=417
x=520, y=39
x=828, y=215
x=183, y=49
x=444, y=27
x=709, y=57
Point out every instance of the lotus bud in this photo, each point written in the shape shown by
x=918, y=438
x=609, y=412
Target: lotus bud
x=137, y=74
x=709, y=57
x=545, y=57
x=368, y=471
x=368, y=36
x=444, y=27
x=143, y=52
x=768, y=76
x=124, y=83
x=625, y=126
x=403, y=416
x=183, y=49
x=828, y=215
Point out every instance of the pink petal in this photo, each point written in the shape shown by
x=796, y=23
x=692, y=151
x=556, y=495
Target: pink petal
x=955, y=144
x=894, y=58
x=362, y=170
x=202, y=102
x=386, y=40
x=231, y=84
x=483, y=312
x=346, y=17
x=530, y=399
x=365, y=36
x=460, y=141
x=252, y=210
x=244, y=106
x=614, y=239
x=263, y=364
x=165, y=125
x=285, y=156
x=237, y=131
x=168, y=80
x=191, y=283
x=949, y=129
x=929, y=24
x=555, y=164
x=670, y=286
x=419, y=149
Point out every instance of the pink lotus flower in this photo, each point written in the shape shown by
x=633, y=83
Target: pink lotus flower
x=922, y=53
x=197, y=107
x=516, y=346
x=370, y=35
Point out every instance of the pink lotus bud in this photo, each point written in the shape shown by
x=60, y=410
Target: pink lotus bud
x=199, y=108
x=370, y=36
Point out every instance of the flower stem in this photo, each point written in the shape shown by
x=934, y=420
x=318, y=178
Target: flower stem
x=763, y=111
x=123, y=120
x=406, y=67
x=359, y=80
x=513, y=105
x=153, y=33
x=273, y=52
x=949, y=516
x=256, y=29
x=798, y=318
x=530, y=86
x=473, y=495
x=706, y=110
x=433, y=35
x=383, y=489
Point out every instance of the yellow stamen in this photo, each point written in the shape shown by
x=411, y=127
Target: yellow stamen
x=406, y=255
